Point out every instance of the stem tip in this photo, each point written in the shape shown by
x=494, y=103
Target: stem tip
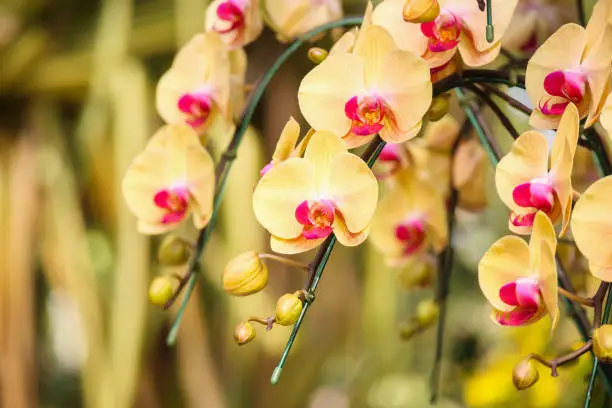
x=276, y=375
x=490, y=33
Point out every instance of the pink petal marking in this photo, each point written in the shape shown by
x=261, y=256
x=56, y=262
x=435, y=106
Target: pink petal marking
x=518, y=316
x=507, y=294
x=412, y=235
x=389, y=153
x=317, y=217
x=443, y=33
x=196, y=106
x=568, y=86
x=540, y=196
x=522, y=220
x=266, y=169
x=528, y=293
x=231, y=13
x=176, y=203
x=367, y=114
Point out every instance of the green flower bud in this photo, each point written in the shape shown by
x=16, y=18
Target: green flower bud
x=317, y=55
x=427, y=312
x=160, y=290
x=244, y=275
x=438, y=108
x=417, y=275
x=525, y=374
x=288, y=309
x=244, y=333
x=602, y=343
x=408, y=330
x=173, y=251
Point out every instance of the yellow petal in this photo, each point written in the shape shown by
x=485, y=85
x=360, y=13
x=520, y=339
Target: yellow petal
x=354, y=190
x=472, y=56
x=606, y=116
x=601, y=16
x=287, y=141
x=542, y=248
x=352, y=140
x=468, y=157
x=373, y=46
x=344, y=44
x=293, y=18
x=592, y=223
x=562, y=50
x=238, y=65
x=522, y=28
x=278, y=194
x=505, y=261
x=420, y=11
x=293, y=246
x=407, y=36
x=596, y=65
x=408, y=96
x=326, y=89
x=601, y=272
x=393, y=208
x=428, y=201
x=346, y=237
x=441, y=135
x=201, y=181
x=527, y=160
x=321, y=151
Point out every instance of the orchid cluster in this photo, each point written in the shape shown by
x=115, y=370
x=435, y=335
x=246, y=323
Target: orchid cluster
x=386, y=84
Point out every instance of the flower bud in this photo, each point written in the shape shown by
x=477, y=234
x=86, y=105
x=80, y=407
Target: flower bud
x=416, y=275
x=160, y=290
x=317, y=55
x=244, y=333
x=244, y=275
x=421, y=11
x=408, y=330
x=427, y=312
x=525, y=374
x=602, y=343
x=173, y=251
x=438, y=108
x=288, y=309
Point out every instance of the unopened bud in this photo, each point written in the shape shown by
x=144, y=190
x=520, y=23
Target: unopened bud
x=244, y=333
x=416, y=275
x=317, y=55
x=160, y=290
x=421, y=11
x=602, y=343
x=438, y=108
x=525, y=374
x=244, y=275
x=408, y=330
x=427, y=312
x=173, y=251
x=288, y=309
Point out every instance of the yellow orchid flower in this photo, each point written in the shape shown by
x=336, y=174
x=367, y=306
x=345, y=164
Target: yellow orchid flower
x=526, y=184
x=410, y=219
x=357, y=95
x=572, y=66
x=592, y=226
x=173, y=177
x=458, y=27
x=520, y=280
x=239, y=22
x=346, y=43
x=196, y=88
x=292, y=18
x=301, y=201
x=532, y=23
x=287, y=145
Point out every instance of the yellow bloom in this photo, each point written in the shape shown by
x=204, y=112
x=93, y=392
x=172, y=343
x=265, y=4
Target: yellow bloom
x=520, y=280
x=572, y=66
x=525, y=183
x=458, y=27
x=196, y=88
x=239, y=22
x=292, y=18
x=410, y=219
x=172, y=177
x=301, y=201
x=592, y=227
x=376, y=89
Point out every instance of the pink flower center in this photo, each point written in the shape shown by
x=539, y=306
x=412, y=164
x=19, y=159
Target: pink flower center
x=196, y=106
x=412, y=235
x=524, y=294
x=367, y=114
x=176, y=203
x=443, y=33
x=536, y=196
x=317, y=217
x=232, y=16
x=565, y=87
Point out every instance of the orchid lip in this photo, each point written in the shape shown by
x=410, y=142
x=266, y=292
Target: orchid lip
x=232, y=14
x=411, y=233
x=567, y=86
x=317, y=218
x=176, y=203
x=443, y=33
x=535, y=194
x=367, y=113
x=196, y=106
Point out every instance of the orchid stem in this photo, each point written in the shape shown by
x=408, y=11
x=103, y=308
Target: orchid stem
x=575, y=298
x=490, y=33
x=559, y=361
x=284, y=261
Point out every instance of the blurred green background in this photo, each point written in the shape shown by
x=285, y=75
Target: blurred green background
x=77, y=82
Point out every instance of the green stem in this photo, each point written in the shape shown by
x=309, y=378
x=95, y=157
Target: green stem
x=490, y=33
x=226, y=162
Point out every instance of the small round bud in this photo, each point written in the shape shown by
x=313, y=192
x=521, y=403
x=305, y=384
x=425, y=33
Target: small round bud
x=317, y=55
x=525, y=374
x=408, y=330
x=245, y=274
x=244, y=333
x=427, y=312
x=173, y=251
x=417, y=275
x=421, y=11
x=602, y=343
x=288, y=309
x=438, y=108
x=160, y=290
